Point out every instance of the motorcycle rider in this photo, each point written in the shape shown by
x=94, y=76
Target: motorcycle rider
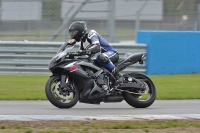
x=92, y=43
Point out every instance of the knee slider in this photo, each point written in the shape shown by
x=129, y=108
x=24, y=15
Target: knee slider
x=103, y=58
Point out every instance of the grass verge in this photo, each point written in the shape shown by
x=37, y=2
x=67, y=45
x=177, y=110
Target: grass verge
x=168, y=87
x=141, y=126
x=183, y=86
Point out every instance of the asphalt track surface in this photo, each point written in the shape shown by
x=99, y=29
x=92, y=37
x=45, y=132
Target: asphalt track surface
x=184, y=108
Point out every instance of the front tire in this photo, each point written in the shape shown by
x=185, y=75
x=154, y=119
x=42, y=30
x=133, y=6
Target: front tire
x=133, y=99
x=55, y=96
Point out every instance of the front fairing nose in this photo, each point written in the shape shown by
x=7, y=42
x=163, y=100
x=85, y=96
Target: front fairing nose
x=52, y=63
x=60, y=56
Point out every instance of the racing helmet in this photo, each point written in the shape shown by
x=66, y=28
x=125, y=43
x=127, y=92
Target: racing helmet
x=77, y=30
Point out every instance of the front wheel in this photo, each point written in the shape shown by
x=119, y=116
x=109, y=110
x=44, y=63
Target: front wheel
x=61, y=98
x=141, y=101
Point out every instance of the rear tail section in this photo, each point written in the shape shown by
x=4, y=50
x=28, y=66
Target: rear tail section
x=132, y=59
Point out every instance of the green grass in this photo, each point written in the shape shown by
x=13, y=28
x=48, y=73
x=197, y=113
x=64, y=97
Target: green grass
x=103, y=126
x=151, y=125
x=177, y=86
x=22, y=87
x=33, y=87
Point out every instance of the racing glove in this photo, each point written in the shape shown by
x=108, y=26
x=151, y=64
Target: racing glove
x=72, y=42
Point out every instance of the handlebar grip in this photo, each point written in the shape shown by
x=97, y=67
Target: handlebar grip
x=72, y=54
x=75, y=54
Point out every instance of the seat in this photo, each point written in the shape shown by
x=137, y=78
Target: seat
x=119, y=61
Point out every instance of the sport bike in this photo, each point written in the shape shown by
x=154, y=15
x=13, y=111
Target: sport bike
x=77, y=77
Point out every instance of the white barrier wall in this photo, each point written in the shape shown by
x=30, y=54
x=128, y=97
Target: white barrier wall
x=32, y=58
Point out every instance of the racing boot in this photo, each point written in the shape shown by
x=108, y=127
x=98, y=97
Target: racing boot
x=119, y=79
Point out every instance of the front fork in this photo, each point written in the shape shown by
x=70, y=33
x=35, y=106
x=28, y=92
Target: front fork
x=64, y=81
x=65, y=84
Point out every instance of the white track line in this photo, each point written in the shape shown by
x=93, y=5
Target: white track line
x=99, y=117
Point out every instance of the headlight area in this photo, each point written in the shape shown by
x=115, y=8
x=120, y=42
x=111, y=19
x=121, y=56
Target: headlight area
x=52, y=62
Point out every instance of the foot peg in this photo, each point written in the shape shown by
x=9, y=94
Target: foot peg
x=116, y=86
x=105, y=87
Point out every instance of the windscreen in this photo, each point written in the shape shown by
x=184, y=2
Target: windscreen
x=65, y=47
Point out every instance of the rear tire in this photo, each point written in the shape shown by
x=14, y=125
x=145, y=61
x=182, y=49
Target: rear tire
x=132, y=100
x=55, y=99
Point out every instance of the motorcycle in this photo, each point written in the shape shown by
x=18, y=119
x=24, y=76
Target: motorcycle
x=80, y=78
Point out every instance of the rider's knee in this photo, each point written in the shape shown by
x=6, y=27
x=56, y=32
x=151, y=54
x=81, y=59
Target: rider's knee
x=103, y=58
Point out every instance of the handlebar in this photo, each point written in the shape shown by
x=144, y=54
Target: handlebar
x=72, y=54
x=79, y=53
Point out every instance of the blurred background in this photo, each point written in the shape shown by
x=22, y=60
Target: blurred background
x=164, y=29
x=115, y=20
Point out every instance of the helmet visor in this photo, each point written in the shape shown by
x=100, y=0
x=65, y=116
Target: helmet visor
x=73, y=33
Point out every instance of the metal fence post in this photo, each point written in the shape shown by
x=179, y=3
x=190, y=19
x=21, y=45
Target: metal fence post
x=137, y=23
x=195, y=26
x=66, y=23
x=111, y=20
x=0, y=9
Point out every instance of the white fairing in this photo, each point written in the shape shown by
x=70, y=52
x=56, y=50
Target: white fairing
x=69, y=65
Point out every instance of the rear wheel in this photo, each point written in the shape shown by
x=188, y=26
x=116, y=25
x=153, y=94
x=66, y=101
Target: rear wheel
x=61, y=98
x=144, y=100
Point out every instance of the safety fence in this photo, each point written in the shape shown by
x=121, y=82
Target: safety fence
x=32, y=58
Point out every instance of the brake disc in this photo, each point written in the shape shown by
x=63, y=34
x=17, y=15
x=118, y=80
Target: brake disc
x=146, y=89
x=60, y=94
